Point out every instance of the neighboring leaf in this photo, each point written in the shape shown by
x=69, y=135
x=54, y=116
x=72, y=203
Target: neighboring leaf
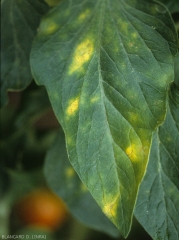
x=52, y=3
x=157, y=206
x=174, y=93
x=107, y=66
x=65, y=182
x=20, y=20
x=34, y=105
x=21, y=143
x=4, y=180
x=177, y=70
x=23, y=182
x=173, y=5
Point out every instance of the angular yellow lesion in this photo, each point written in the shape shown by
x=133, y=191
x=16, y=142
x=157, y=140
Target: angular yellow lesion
x=110, y=208
x=84, y=15
x=134, y=152
x=72, y=107
x=82, y=54
x=134, y=117
x=94, y=99
x=69, y=172
x=124, y=26
x=70, y=141
x=134, y=35
x=49, y=27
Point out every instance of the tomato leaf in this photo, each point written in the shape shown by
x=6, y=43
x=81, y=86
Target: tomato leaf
x=20, y=20
x=173, y=5
x=157, y=206
x=177, y=70
x=107, y=66
x=159, y=215
x=64, y=181
x=34, y=104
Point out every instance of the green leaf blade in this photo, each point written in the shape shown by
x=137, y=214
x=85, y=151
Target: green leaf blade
x=172, y=5
x=64, y=181
x=108, y=89
x=20, y=20
x=157, y=205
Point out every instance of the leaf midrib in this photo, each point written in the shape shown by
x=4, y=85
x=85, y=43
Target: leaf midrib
x=102, y=92
x=104, y=5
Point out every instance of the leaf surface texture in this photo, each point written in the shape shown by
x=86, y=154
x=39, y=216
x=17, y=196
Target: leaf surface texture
x=64, y=181
x=107, y=66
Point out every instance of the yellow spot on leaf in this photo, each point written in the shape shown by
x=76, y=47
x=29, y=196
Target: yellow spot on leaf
x=84, y=15
x=82, y=54
x=134, y=152
x=124, y=26
x=73, y=107
x=134, y=35
x=94, y=99
x=69, y=172
x=110, y=208
x=49, y=27
x=134, y=117
x=70, y=141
